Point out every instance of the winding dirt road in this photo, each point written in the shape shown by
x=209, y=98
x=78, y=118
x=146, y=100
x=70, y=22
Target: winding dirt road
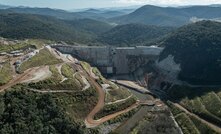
x=89, y=121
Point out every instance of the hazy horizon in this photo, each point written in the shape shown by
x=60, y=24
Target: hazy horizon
x=81, y=4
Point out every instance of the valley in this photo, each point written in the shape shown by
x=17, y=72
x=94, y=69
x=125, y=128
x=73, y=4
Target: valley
x=63, y=74
x=134, y=70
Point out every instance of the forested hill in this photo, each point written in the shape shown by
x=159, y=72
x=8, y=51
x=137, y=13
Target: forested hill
x=168, y=16
x=133, y=34
x=197, y=47
x=21, y=26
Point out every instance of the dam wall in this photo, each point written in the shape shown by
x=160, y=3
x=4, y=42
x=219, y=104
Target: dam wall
x=113, y=60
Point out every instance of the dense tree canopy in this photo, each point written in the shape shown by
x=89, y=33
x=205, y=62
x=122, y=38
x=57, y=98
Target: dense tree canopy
x=24, y=112
x=197, y=47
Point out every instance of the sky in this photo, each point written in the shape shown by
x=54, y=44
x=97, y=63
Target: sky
x=78, y=4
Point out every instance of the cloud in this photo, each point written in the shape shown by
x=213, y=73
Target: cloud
x=169, y=2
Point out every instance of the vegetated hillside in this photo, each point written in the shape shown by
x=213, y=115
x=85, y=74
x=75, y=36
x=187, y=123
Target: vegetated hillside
x=197, y=47
x=101, y=14
x=133, y=34
x=62, y=14
x=168, y=16
x=20, y=26
x=27, y=112
x=204, y=102
x=89, y=25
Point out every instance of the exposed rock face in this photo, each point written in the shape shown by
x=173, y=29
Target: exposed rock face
x=169, y=67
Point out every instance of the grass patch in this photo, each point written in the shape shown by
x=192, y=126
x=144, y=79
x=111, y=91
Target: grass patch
x=67, y=71
x=13, y=47
x=85, y=66
x=39, y=43
x=44, y=57
x=30, y=43
x=113, y=108
x=117, y=94
x=78, y=105
x=56, y=76
x=5, y=73
x=123, y=116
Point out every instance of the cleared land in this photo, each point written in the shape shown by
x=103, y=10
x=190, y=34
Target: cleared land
x=44, y=57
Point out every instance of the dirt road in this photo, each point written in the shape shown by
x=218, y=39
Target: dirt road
x=51, y=91
x=18, y=79
x=89, y=121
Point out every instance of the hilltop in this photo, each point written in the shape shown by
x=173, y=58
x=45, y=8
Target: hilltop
x=196, y=47
x=57, y=90
x=168, y=16
x=21, y=26
x=133, y=34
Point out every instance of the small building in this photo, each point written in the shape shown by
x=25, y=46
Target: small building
x=18, y=54
x=3, y=54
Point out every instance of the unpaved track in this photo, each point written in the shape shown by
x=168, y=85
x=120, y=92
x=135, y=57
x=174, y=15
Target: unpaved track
x=89, y=121
x=51, y=91
x=118, y=101
x=213, y=126
x=18, y=79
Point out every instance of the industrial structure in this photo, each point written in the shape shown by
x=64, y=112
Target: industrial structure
x=113, y=60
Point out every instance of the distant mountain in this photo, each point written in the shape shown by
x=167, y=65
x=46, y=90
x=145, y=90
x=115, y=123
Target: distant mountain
x=4, y=6
x=21, y=26
x=168, y=16
x=133, y=34
x=60, y=14
x=65, y=15
x=100, y=14
x=197, y=48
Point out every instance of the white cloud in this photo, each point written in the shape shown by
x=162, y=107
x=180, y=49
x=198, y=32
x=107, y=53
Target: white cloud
x=169, y=2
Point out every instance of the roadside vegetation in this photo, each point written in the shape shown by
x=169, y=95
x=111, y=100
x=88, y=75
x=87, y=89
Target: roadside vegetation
x=5, y=73
x=123, y=117
x=13, y=47
x=186, y=124
x=154, y=123
x=23, y=111
x=204, y=102
x=44, y=57
x=189, y=124
x=26, y=112
x=114, y=92
x=67, y=71
x=23, y=44
x=113, y=108
x=85, y=66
